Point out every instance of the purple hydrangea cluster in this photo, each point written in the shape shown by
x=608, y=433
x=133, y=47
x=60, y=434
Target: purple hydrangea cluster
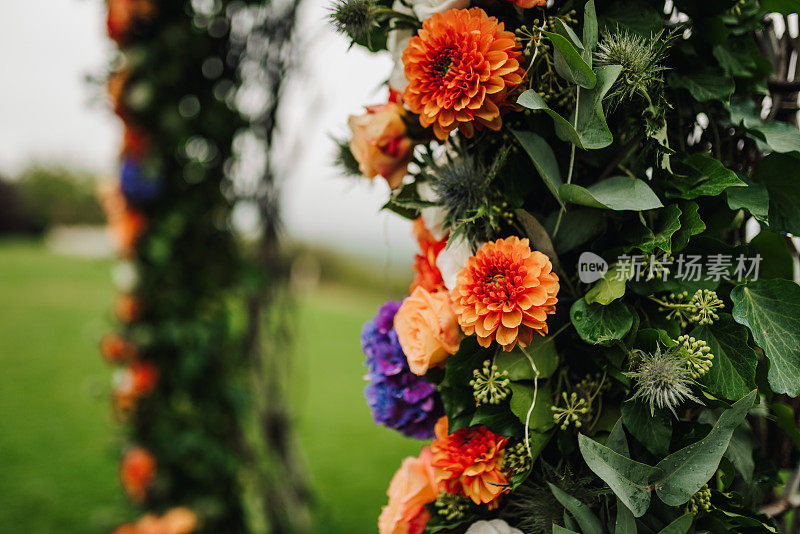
x=398, y=398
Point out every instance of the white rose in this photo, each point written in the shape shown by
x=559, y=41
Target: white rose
x=433, y=215
x=495, y=526
x=398, y=39
x=452, y=259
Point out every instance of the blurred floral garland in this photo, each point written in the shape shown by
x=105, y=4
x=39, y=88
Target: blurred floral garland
x=182, y=387
x=561, y=160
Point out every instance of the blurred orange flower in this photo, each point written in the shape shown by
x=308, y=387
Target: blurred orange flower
x=426, y=273
x=134, y=141
x=380, y=144
x=469, y=462
x=127, y=307
x=412, y=487
x=137, y=472
x=527, y=4
x=459, y=67
x=117, y=349
x=125, y=224
x=115, y=87
x=178, y=520
x=123, y=13
x=505, y=293
x=427, y=329
x=132, y=383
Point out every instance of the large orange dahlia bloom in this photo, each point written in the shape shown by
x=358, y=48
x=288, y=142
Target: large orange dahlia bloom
x=459, y=68
x=505, y=293
x=469, y=462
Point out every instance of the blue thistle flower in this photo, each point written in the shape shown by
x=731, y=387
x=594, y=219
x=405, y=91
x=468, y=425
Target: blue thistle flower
x=398, y=398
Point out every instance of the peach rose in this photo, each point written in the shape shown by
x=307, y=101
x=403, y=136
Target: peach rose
x=427, y=329
x=380, y=144
x=412, y=487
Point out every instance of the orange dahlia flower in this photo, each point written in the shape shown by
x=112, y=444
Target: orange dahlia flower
x=125, y=224
x=122, y=14
x=117, y=349
x=132, y=383
x=505, y=293
x=380, y=144
x=412, y=487
x=137, y=471
x=459, y=68
x=469, y=462
x=426, y=273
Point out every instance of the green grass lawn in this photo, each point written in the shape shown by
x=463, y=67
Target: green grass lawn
x=57, y=437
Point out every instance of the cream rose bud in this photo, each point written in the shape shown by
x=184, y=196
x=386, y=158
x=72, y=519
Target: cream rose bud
x=452, y=259
x=495, y=526
x=380, y=144
x=427, y=329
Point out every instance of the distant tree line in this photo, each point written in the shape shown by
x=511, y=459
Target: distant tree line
x=41, y=197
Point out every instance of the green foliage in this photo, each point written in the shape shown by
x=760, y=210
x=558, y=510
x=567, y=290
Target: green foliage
x=59, y=196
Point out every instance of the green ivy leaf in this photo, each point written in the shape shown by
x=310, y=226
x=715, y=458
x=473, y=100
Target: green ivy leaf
x=780, y=174
x=733, y=373
x=521, y=399
x=647, y=240
x=685, y=471
x=709, y=84
x=542, y=350
x=569, y=63
x=628, y=479
x=776, y=260
x=706, y=177
x=610, y=287
x=654, y=432
x=771, y=310
x=784, y=7
x=784, y=416
x=619, y=193
x=588, y=522
x=780, y=136
x=543, y=159
x=601, y=325
x=679, y=526
x=690, y=224
x=753, y=198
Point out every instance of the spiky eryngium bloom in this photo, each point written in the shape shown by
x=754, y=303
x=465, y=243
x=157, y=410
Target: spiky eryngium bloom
x=354, y=18
x=698, y=355
x=451, y=506
x=488, y=385
x=344, y=159
x=640, y=57
x=462, y=186
x=663, y=380
x=700, y=501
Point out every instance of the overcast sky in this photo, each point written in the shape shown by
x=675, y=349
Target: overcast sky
x=50, y=113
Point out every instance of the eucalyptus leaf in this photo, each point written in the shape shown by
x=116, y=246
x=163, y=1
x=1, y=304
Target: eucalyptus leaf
x=625, y=523
x=532, y=100
x=771, y=310
x=619, y=193
x=538, y=236
x=687, y=470
x=588, y=522
x=543, y=159
x=591, y=123
x=679, y=526
x=590, y=29
x=568, y=62
x=628, y=479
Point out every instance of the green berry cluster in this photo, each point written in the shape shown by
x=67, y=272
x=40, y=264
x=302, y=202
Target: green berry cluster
x=698, y=355
x=488, y=385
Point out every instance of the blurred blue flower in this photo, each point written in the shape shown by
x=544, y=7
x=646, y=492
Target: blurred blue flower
x=398, y=398
x=136, y=185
